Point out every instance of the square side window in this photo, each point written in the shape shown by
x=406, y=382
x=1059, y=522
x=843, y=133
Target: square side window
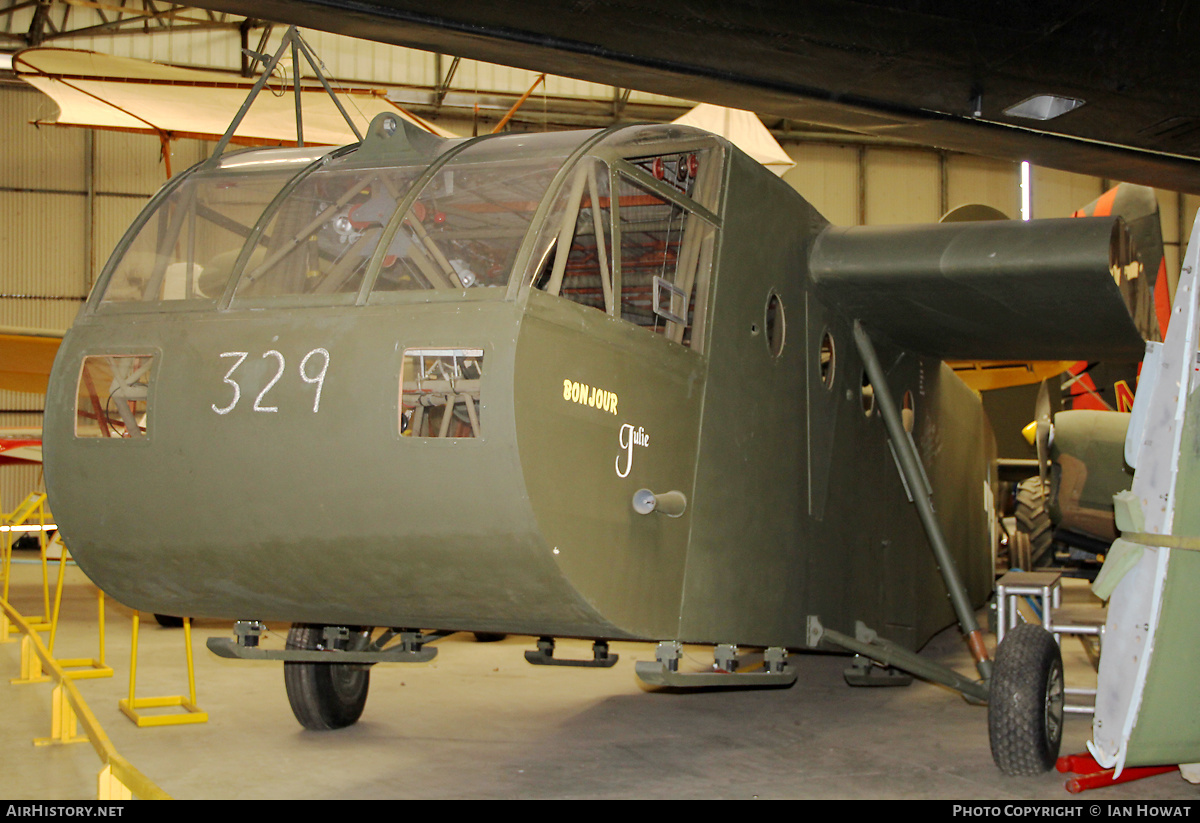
x=113, y=396
x=439, y=392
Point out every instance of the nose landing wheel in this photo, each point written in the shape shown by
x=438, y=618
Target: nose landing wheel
x=325, y=695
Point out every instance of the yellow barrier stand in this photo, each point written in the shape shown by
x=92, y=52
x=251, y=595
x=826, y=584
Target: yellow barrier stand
x=34, y=503
x=117, y=779
x=76, y=667
x=31, y=664
x=110, y=786
x=191, y=714
x=63, y=722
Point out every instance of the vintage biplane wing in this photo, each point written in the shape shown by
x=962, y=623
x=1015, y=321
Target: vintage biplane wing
x=26, y=356
x=20, y=446
x=100, y=91
x=1103, y=89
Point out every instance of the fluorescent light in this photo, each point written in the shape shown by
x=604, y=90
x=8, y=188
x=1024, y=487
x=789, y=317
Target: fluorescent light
x=5, y=61
x=1044, y=107
x=1026, y=198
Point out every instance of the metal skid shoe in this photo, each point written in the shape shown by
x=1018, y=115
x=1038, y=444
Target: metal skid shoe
x=544, y=656
x=864, y=672
x=333, y=649
x=664, y=671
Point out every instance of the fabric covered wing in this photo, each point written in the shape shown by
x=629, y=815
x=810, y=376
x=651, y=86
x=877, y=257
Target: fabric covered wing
x=26, y=356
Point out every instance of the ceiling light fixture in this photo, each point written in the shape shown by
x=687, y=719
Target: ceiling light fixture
x=1043, y=107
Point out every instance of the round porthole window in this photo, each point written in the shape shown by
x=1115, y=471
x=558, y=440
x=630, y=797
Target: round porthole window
x=775, y=325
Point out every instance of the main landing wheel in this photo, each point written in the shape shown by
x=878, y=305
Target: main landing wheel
x=324, y=695
x=1025, y=707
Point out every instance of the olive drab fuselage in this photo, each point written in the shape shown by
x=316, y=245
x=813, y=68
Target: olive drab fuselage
x=419, y=383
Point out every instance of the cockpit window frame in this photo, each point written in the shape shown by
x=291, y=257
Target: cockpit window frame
x=617, y=157
x=97, y=305
x=613, y=147
x=369, y=296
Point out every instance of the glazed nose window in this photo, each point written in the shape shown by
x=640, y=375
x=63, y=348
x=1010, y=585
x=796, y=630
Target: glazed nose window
x=113, y=396
x=187, y=247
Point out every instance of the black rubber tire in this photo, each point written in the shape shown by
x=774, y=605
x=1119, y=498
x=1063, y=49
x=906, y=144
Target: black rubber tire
x=323, y=696
x=1034, y=522
x=168, y=621
x=1025, y=706
x=489, y=637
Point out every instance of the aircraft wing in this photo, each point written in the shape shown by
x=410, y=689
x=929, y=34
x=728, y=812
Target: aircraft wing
x=1103, y=88
x=101, y=91
x=1002, y=290
x=26, y=356
x=20, y=446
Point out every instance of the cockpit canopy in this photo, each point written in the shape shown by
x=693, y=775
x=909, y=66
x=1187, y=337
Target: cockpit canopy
x=623, y=220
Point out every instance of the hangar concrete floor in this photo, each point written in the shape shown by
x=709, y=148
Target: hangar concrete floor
x=480, y=722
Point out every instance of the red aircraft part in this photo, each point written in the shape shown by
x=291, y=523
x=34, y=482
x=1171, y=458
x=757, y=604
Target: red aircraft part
x=1091, y=776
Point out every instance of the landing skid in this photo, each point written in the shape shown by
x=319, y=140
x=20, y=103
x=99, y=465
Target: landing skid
x=664, y=671
x=862, y=672
x=412, y=647
x=544, y=656
x=868, y=644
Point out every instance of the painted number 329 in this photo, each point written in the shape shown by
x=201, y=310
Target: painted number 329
x=312, y=370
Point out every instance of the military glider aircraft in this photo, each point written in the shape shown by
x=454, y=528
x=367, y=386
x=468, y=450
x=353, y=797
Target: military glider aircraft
x=614, y=384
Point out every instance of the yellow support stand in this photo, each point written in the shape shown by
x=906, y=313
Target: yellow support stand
x=130, y=706
x=76, y=667
x=33, y=504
